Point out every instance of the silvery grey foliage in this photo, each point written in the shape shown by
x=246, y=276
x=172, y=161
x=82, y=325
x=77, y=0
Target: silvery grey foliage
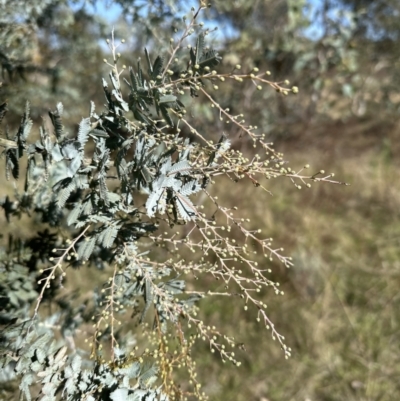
x=66, y=184
x=101, y=195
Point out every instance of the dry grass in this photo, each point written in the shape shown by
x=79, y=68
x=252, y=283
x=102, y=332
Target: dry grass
x=341, y=310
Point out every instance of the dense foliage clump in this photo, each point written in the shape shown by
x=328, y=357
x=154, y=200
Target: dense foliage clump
x=129, y=192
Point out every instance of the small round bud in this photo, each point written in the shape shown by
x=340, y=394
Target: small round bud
x=295, y=89
x=259, y=87
x=267, y=72
x=238, y=66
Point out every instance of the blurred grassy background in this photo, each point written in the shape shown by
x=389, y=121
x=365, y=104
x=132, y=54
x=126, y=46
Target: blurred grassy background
x=340, y=312
x=341, y=308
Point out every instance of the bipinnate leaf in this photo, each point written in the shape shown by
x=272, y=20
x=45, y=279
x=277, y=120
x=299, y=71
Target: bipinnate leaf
x=83, y=134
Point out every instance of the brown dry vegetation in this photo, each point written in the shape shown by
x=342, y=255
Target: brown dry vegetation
x=340, y=312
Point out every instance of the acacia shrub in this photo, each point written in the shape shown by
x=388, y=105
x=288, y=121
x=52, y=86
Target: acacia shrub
x=134, y=178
